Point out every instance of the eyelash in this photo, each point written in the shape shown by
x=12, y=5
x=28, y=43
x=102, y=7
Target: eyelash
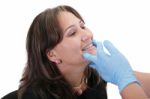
x=73, y=33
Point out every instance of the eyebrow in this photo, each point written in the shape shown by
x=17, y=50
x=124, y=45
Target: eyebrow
x=68, y=27
x=72, y=26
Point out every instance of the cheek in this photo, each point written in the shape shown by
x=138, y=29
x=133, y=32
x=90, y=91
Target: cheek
x=71, y=51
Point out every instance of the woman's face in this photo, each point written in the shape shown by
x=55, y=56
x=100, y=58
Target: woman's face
x=77, y=38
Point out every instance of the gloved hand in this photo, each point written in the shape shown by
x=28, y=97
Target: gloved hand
x=113, y=68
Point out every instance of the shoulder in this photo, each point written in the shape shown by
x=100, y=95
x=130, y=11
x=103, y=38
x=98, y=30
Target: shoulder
x=28, y=95
x=96, y=92
x=14, y=95
x=11, y=95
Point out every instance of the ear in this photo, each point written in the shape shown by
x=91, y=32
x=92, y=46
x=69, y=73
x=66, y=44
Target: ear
x=51, y=54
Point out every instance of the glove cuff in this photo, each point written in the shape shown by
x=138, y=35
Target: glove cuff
x=123, y=84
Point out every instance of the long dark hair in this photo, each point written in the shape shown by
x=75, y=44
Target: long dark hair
x=40, y=74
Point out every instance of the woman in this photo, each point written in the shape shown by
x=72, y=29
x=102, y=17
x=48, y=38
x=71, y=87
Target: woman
x=56, y=68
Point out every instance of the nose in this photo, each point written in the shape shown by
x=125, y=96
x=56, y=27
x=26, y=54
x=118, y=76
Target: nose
x=86, y=37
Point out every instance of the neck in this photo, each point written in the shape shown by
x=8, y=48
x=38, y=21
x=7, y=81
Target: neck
x=75, y=78
x=73, y=74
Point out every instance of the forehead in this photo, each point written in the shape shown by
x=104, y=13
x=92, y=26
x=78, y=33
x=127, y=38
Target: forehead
x=66, y=19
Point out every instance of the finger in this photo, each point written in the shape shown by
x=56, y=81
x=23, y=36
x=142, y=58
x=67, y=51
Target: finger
x=89, y=57
x=110, y=47
x=100, y=49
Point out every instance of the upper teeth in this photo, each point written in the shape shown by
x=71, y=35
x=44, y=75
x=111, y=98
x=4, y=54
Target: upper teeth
x=87, y=47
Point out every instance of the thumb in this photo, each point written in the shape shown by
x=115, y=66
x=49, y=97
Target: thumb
x=89, y=57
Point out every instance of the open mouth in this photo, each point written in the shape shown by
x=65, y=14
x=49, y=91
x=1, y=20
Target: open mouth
x=88, y=47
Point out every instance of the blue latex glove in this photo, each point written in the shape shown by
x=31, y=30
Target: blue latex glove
x=113, y=68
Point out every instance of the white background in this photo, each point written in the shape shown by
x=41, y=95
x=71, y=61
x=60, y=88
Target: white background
x=126, y=23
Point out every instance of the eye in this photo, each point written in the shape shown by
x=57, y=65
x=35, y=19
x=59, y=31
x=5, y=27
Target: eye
x=72, y=32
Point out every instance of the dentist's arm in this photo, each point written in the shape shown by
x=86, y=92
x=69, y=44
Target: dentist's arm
x=144, y=79
x=133, y=91
x=116, y=69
